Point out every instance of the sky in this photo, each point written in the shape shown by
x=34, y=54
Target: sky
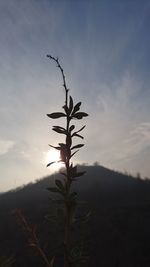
x=104, y=48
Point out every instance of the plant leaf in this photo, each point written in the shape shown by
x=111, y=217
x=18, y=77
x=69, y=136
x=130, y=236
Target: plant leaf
x=80, y=115
x=70, y=104
x=73, y=196
x=59, y=184
x=74, y=153
x=59, y=129
x=66, y=110
x=53, y=189
x=71, y=128
x=62, y=128
x=81, y=129
x=77, y=146
x=78, y=135
x=56, y=115
x=50, y=163
x=56, y=190
x=62, y=145
x=76, y=108
x=64, y=174
x=78, y=174
x=53, y=162
x=56, y=147
x=52, y=261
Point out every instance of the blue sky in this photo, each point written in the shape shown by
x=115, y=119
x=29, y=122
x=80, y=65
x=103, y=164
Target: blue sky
x=104, y=47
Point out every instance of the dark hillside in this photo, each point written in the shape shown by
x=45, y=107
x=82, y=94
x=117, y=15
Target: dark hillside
x=119, y=232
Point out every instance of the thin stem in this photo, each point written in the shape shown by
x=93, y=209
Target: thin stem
x=33, y=239
x=63, y=76
x=68, y=181
x=67, y=207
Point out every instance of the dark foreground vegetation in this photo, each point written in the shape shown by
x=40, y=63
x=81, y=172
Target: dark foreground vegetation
x=117, y=234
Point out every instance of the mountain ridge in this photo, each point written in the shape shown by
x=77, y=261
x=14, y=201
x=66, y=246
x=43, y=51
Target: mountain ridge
x=119, y=225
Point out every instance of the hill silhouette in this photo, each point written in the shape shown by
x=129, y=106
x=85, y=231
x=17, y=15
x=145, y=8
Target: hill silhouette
x=119, y=228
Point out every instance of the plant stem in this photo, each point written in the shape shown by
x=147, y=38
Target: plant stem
x=67, y=207
x=63, y=76
x=33, y=239
x=68, y=180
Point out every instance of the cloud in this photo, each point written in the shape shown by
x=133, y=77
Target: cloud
x=119, y=122
x=5, y=146
x=139, y=139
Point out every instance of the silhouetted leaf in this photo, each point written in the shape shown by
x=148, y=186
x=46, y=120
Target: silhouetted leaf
x=56, y=147
x=52, y=261
x=53, y=162
x=76, y=108
x=88, y=214
x=70, y=104
x=72, y=169
x=78, y=174
x=56, y=190
x=73, y=196
x=78, y=135
x=63, y=146
x=71, y=128
x=66, y=110
x=59, y=130
x=59, y=184
x=77, y=146
x=6, y=262
x=53, y=189
x=80, y=115
x=74, y=153
x=56, y=115
x=49, y=164
x=64, y=174
x=81, y=129
x=85, y=218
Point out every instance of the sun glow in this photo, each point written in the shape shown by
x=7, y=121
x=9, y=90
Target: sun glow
x=53, y=155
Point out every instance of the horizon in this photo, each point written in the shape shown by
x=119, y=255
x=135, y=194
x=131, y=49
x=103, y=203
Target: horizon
x=54, y=174
x=103, y=48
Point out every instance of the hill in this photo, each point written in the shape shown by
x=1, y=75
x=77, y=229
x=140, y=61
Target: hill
x=118, y=233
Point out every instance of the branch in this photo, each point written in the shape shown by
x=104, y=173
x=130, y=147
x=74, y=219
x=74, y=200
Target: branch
x=32, y=237
x=63, y=76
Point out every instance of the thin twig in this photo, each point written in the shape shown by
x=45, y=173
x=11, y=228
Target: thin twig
x=33, y=239
x=63, y=76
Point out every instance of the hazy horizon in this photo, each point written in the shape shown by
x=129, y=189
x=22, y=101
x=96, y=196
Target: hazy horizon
x=104, y=48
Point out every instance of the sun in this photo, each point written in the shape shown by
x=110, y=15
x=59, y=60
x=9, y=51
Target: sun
x=53, y=155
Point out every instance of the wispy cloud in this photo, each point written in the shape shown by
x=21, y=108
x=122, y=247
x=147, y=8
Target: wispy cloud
x=138, y=140
x=120, y=122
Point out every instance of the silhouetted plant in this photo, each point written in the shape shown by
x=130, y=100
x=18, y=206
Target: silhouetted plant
x=6, y=262
x=71, y=112
x=73, y=253
x=33, y=239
